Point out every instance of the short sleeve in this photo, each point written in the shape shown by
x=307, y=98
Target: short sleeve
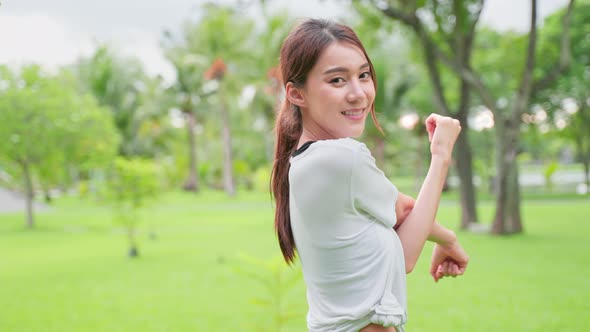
x=372, y=191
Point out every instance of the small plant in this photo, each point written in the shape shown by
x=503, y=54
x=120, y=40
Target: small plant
x=548, y=172
x=278, y=280
x=131, y=184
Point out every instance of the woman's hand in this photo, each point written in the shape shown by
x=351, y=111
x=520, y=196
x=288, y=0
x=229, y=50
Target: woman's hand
x=448, y=261
x=442, y=134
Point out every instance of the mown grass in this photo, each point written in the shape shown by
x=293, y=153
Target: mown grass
x=71, y=273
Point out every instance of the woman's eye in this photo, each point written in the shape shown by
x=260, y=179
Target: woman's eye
x=337, y=80
x=365, y=75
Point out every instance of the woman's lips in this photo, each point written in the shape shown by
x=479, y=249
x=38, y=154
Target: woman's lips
x=354, y=114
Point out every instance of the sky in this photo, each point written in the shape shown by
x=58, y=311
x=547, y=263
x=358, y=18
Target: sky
x=57, y=32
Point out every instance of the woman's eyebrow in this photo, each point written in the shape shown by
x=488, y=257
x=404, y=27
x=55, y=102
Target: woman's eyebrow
x=343, y=69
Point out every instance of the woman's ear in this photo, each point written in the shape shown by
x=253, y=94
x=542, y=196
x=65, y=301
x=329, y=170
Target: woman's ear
x=294, y=95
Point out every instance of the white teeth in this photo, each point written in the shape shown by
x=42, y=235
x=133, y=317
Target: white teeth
x=352, y=113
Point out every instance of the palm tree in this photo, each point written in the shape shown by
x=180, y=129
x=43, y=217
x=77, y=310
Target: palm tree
x=189, y=94
x=217, y=72
x=221, y=39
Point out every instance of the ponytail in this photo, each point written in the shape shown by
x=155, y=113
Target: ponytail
x=288, y=128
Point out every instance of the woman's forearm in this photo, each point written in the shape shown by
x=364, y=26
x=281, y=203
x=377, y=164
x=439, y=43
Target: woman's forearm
x=417, y=227
x=441, y=235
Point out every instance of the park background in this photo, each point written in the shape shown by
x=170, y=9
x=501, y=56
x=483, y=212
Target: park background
x=136, y=144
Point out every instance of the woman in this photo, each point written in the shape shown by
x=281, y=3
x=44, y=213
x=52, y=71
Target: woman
x=356, y=236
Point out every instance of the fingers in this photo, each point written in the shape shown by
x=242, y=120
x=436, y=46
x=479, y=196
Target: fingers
x=438, y=257
x=430, y=123
x=433, y=269
x=447, y=269
x=441, y=271
x=431, y=119
x=448, y=261
x=436, y=272
x=434, y=119
x=451, y=127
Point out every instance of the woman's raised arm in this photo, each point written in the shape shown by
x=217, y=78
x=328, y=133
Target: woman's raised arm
x=442, y=132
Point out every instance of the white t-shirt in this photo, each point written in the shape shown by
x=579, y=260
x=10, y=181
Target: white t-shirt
x=342, y=216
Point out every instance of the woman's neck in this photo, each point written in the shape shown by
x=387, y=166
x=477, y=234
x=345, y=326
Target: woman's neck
x=313, y=134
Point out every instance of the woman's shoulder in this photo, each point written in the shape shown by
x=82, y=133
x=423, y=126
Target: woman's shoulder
x=342, y=143
x=355, y=150
x=334, y=150
x=333, y=156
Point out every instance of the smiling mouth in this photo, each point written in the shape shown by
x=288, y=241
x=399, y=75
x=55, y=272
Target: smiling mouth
x=355, y=112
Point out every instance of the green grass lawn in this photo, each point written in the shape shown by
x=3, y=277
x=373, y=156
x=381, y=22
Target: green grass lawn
x=71, y=273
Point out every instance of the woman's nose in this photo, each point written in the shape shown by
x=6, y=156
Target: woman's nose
x=355, y=92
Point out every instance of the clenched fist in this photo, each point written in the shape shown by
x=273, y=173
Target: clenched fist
x=442, y=134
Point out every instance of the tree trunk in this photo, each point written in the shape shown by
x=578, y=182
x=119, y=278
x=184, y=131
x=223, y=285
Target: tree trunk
x=463, y=156
x=29, y=195
x=465, y=171
x=507, y=219
x=192, y=182
x=228, y=179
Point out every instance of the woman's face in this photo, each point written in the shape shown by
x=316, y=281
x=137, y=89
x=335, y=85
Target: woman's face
x=338, y=93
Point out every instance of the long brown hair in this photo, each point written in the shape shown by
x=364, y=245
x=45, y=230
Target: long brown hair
x=299, y=53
